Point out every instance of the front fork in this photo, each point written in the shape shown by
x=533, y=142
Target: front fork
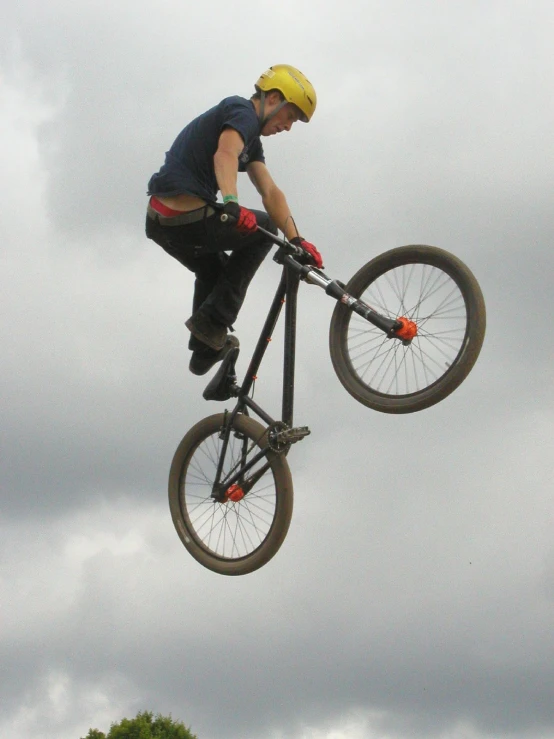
x=400, y=328
x=336, y=290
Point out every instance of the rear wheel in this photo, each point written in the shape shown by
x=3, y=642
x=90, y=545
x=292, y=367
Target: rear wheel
x=241, y=533
x=439, y=300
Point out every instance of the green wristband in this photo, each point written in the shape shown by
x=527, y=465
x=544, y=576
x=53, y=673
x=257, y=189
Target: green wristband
x=230, y=199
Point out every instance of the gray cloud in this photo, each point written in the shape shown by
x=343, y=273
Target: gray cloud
x=413, y=594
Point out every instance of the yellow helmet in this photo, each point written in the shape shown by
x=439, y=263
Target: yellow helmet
x=293, y=85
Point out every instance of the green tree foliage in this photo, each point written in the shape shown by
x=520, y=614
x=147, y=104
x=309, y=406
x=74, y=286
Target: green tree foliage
x=144, y=726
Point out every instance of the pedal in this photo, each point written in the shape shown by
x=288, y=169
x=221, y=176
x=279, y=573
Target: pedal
x=222, y=386
x=280, y=437
x=296, y=434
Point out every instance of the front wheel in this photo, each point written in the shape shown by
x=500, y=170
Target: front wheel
x=437, y=292
x=241, y=529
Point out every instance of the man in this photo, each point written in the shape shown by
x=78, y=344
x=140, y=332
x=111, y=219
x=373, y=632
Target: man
x=184, y=216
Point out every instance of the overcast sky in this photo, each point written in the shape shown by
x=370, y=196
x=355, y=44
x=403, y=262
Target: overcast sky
x=414, y=595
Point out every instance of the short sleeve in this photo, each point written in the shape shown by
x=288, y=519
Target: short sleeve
x=240, y=115
x=256, y=152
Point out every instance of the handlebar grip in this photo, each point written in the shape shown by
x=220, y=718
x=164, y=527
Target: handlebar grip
x=226, y=218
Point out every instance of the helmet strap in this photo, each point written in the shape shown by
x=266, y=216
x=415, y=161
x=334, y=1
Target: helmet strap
x=263, y=120
x=262, y=108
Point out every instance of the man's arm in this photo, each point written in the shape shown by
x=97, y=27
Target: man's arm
x=273, y=199
x=226, y=161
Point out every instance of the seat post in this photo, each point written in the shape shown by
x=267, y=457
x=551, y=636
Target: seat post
x=292, y=283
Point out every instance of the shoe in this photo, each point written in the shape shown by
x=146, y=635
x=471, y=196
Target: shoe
x=203, y=360
x=207, y=330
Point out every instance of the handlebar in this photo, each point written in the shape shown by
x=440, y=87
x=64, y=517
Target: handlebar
x=314, y=276
x=295, y=251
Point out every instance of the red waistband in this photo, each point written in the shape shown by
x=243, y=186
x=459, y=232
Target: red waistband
x=162, y=209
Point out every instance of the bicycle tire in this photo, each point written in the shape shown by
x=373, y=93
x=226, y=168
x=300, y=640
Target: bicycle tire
x=230, y=538
x=386, y=375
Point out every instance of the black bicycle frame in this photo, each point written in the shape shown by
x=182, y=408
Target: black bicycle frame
x=286, y=294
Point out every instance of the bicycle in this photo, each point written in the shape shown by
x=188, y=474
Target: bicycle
x=406, y=331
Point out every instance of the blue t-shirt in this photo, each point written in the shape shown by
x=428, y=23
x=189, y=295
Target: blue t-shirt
x=189, y=164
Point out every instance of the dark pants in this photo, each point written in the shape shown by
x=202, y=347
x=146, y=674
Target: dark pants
x=221, y=279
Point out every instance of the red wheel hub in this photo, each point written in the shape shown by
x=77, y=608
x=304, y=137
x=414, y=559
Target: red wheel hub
x=235, y=493
x=407, y=331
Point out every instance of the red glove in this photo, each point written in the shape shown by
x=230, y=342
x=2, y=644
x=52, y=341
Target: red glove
x=315, y=257
x=243, y=219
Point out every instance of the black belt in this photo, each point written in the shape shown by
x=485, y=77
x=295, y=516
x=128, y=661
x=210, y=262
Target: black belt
x=192, y=216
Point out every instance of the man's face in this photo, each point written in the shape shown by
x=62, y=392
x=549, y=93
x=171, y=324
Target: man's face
x=281, y=121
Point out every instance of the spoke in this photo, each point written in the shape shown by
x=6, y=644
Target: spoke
x=431, y=298
x=232, y=529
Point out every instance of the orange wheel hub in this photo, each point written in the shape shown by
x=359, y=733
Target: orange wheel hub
x=235, y=493
x=407, y=331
